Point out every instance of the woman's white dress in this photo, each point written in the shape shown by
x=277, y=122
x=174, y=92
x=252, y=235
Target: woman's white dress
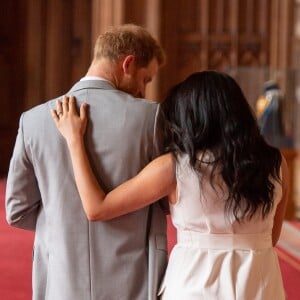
x=216, y=257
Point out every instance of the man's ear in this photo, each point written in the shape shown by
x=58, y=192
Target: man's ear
x=128, y=64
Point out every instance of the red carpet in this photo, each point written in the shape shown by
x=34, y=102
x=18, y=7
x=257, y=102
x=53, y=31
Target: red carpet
x=288, y=251
x=16, y=249
x=15, y=258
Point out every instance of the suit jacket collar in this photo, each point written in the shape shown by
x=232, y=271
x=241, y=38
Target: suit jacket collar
x=91, y=84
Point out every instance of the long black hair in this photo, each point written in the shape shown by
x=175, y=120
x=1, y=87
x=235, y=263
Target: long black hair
x=209, y=112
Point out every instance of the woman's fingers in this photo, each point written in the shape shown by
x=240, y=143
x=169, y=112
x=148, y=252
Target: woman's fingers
x=70, y=123
x=58, y=112
x=54, y=116
x=72, y=105
x=68, y=107
x=83, y=109
x=59, y=107
x=65, y=104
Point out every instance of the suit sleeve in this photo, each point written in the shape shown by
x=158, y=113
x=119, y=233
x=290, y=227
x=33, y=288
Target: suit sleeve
x=158, y=150
x=158, y=136
x=22, y=198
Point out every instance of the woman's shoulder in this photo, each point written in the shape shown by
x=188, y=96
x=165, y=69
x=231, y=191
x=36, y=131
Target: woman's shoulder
x=164, y=161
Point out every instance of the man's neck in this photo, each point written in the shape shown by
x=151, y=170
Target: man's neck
x=105, y=70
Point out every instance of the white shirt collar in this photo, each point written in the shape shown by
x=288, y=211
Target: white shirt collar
x=95, y=78
x=92, y=78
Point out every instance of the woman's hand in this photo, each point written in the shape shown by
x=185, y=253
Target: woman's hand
x=69, y=123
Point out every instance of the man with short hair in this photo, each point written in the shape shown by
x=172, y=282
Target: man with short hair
x=121, y=259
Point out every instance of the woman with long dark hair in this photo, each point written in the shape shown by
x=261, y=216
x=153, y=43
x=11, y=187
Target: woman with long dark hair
x=227, y=190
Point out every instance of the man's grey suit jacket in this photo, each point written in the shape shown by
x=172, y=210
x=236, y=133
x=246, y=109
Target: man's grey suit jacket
x=123, y=258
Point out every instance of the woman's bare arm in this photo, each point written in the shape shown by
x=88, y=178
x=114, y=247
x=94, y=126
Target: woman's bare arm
x=281, y=208
x=154, y=182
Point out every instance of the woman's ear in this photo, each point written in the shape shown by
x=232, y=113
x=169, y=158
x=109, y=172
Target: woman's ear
x=128, y=64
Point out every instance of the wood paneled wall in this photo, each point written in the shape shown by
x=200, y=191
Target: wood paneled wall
x=12, y=75
x=229, y=35
x=58, y=46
